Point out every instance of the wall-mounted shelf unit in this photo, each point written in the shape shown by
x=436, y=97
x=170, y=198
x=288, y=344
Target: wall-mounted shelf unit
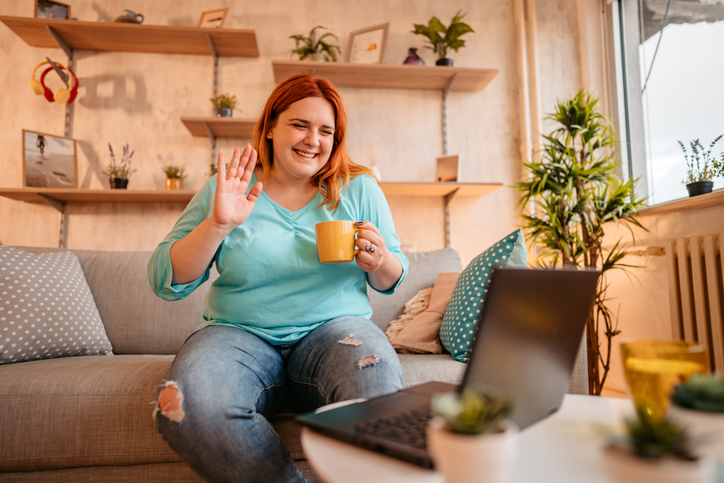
x=386, y=76
x=219, y=127
x=125, y=37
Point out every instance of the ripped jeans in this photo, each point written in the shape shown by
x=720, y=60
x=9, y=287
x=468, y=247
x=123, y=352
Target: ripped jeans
x=225, y=383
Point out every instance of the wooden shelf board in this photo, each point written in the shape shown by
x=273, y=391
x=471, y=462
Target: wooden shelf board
x=221, y=127
x=125, y=37
x=386, y=76
x=438, y=189
x=709, y=200
x=68, y=195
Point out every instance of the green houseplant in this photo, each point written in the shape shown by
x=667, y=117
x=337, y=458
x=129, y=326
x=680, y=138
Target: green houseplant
x=119, y=173
x=701, y=167
x=224, y=104
x=656, y=449
x=315, y=48
x=443, y=38
x=570, y=195
x=175, y=176
x=471, y=435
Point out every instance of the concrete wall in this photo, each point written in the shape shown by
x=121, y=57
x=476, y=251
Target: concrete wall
x=138, y=99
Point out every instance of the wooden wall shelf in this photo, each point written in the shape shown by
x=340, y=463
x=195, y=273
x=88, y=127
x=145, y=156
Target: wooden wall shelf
x=124, y=37
x=67, y=195
x=386, y=76
x=221, y=127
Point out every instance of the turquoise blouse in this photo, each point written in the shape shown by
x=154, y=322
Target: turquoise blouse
x=271, y=281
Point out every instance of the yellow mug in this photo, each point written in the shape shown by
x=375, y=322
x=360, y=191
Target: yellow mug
x=335, y=241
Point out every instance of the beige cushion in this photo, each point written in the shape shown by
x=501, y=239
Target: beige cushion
x=421, y=335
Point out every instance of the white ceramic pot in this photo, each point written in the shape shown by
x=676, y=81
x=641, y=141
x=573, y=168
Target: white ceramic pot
x=706, y=430
x=481, y=458
x=624, y=467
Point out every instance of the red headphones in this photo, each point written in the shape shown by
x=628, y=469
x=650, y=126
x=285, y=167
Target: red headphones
x=66, y=95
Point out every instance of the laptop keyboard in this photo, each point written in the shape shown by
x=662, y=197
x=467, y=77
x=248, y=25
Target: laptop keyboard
x=408, y=427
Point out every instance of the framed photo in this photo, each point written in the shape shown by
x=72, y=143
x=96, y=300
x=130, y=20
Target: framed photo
x=367, y=46
x=447, y=168
x=49, y=161
x=52, y=9
x=213, y=19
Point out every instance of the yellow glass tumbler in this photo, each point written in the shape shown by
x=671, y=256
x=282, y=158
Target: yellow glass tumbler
x=654, y=367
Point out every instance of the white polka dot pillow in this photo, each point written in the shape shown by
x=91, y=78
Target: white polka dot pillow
x=46, y=308
x=459, y=325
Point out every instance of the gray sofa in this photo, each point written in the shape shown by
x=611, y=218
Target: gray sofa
x=88, y=418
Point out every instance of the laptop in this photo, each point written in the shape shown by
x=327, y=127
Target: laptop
x=528, y=338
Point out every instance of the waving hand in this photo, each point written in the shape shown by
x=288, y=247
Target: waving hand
x=232, y=206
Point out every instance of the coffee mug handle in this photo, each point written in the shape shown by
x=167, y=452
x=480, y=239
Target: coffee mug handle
x=356, y=248
x=139, y=15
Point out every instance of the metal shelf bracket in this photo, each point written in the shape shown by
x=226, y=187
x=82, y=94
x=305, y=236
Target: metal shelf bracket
x=63, y=229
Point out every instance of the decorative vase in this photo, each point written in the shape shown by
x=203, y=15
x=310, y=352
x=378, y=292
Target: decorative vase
x=625, y=467
x=413, y=58
x=224, y=112
x=174, y=183
x=118, y=183
x=472, y=458
x=319, y=57
x=706, y=429
x=444, y=62
x=699, y=188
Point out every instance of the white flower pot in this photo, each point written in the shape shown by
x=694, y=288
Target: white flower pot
x=624, y=467
x=481, y=458
x=706, y=431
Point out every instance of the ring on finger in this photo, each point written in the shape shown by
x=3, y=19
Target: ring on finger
x=370, y=248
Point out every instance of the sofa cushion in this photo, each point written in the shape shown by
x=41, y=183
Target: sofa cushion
x=422, y=273
x=458, y=328
x=46, y=308
x=136, y=320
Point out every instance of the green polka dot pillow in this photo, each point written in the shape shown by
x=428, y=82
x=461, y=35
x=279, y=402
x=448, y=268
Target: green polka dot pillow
x=462, y=315
x=46, y=308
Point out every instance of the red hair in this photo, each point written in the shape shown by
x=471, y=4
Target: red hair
x=339, y=169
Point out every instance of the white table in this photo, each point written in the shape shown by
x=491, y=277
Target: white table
x=565, y=447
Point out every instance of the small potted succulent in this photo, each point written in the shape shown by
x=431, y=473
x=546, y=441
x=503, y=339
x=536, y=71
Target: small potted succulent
x=443, y=38
x=701, y=167
x=315, y=48
x=656, y=449
x=224, y=105
x=118, y=173
x=470, y=438
x=699, y=404
x=174, y=177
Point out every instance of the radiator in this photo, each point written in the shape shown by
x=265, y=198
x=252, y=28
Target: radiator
x=696, y=294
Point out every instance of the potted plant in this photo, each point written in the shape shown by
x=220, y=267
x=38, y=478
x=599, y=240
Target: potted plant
x=701, y=167
x=699, y=405
x=118, y=173
x=572, y=192
x=224, y=105
x=174, y=177
x=470, y=438
x=443, y=38
x=315, y=48
x=655, y=449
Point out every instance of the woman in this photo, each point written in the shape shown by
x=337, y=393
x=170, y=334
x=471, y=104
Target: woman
x=282, y=331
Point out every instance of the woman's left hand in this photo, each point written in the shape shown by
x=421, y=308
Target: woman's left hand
x=372, y=247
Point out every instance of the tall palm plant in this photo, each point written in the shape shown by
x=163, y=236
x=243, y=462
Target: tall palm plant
x=571, y=195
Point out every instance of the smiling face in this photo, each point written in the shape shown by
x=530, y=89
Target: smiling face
x=303, y=138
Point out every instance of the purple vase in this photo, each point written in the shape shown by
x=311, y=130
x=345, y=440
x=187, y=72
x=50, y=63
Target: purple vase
x=413, y=58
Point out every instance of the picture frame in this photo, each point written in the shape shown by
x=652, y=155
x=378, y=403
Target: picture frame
x=213, y=19
x=447, y=168
x=49, y=161
x=52, y=9
x=367, y=46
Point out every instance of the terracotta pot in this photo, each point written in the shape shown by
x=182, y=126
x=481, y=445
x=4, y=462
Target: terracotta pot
x=174, y=184
x=625, y=467
x=118, y=183
x=477, y=458
x=699, y=188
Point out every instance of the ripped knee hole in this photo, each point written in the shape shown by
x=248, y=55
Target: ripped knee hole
x=170, y=402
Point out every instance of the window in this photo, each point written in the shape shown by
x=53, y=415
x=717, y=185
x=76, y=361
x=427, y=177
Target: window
x=670, y=56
